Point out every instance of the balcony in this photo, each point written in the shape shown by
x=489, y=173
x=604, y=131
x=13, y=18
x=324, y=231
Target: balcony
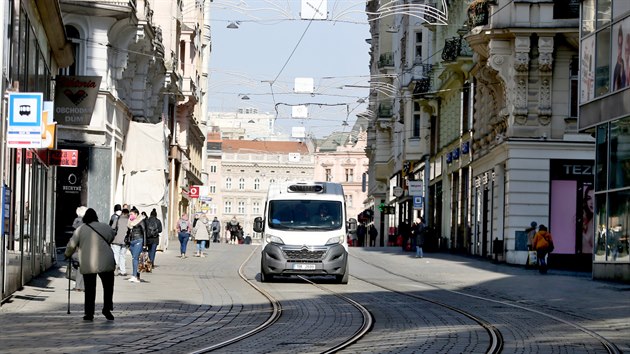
x=452, y=48
x=421, y=87
x=386, y=60
x=385, y=110
x=478, y=13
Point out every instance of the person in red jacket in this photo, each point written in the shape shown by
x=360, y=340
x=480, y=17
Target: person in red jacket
x=543, y=245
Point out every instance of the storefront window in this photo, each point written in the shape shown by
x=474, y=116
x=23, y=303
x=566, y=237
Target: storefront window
x=601, y=227
x=603, y=13
x=602, y=62
x=601, y=170
x=618, y=223
x=620, y=8
x=588, y=17
x=620, y=153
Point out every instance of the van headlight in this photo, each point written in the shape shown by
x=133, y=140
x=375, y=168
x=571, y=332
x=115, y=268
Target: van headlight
x=335, y=240
x=274, y=239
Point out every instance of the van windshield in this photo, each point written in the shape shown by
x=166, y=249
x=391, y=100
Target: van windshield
x=305, y=214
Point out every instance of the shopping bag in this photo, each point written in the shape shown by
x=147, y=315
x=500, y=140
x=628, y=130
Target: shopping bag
x=144, y=264
x=532, y=258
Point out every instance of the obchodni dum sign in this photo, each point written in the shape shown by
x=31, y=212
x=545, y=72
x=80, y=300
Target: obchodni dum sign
x=75, y=97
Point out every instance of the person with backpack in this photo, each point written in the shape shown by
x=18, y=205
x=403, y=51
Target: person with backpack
x=154, y=228
x=118, y=245
x=201, y=234
x=543, y=245
x=113, y=220
x=184, y=228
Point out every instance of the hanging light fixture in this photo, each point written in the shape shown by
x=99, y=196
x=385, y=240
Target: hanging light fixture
x=233, y=25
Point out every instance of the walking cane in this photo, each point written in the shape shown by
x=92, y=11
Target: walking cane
x=69, y=275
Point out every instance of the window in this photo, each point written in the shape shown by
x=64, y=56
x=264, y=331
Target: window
x=349, y=200
x=256, y=184
x=74, y=37
x=349, y=175
x=228, y=183
x=563, y=9
x=466, y=107
x=415, y=133
x=573, y=88
x=241, y=207
x=418, y=48
x=256, y=208
x=602, y=62
x=241, y=184
x=328, y=175
x=212, y=188
x=213, y=209
x=227, y=207
x=213, y=168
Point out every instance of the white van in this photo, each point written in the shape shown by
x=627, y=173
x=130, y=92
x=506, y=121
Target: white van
x=305, y=230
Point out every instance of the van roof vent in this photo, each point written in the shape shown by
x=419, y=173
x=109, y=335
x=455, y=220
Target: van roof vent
x=306, y=188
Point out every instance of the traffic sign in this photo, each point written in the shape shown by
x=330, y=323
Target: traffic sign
x=24, y=129
x=193, y=192
x=418, y=202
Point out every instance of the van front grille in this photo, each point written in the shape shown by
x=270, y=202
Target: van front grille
x=303, y=255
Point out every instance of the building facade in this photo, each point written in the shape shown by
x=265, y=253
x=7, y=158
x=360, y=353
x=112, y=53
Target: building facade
x=35, y=47
x=604, y=112
x=247, y=169
x=485, y=115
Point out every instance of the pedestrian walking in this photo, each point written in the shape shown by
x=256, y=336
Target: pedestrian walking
x=137, y=241
x=419, y=230
x=154, y=228
x=373, y=232
x=216, y=230
x=361, y=233
x=183, y=233
x=404, y=230
x=118, y=245
x=201, y=234
x=113, y=219
x=79, y=284
x=543, y=245
x=93, y=238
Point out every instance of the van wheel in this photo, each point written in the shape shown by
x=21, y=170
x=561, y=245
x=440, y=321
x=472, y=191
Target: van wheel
x=265, y=278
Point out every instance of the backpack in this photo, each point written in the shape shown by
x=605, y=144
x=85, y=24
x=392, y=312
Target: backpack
x=183, y=225
x=152, y=227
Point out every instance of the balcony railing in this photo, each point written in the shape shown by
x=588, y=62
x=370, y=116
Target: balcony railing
x=452, y=47
x=478, y=12
x=386, y=60
x=422, y=86
x=385, y=110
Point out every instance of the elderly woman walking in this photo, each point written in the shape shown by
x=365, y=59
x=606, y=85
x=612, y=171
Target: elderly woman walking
x=93, y=238
x=201, y=233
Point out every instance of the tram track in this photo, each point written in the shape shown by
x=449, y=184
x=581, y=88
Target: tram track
x=496, y=339
x=276, y=313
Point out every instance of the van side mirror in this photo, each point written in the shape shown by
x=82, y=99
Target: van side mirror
x=258, y=224
x=352, y=225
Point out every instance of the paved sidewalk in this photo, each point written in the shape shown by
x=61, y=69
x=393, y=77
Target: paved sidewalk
x=172, y=305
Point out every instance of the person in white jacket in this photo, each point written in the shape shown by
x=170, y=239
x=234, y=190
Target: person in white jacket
x=201, y=233
x=93, y=238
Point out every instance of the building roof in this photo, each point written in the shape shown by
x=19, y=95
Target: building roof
x=246, y=146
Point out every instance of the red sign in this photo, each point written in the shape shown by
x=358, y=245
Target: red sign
x=193, y=192
x=64, y=158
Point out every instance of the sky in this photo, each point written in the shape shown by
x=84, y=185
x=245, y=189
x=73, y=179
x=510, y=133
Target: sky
x=273, y=46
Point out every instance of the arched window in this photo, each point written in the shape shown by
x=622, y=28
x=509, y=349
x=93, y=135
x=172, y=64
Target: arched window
x=74, y=38
x=241, y=184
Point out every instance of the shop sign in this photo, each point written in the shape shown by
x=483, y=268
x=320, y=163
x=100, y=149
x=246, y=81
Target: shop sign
x=75, y=97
